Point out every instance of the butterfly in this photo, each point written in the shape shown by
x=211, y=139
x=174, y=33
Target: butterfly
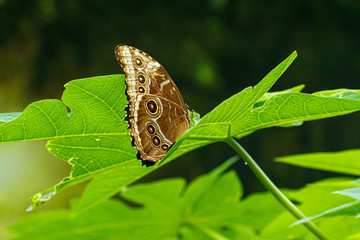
x=156, y=112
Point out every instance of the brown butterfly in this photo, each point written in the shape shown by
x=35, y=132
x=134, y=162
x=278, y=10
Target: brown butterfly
x=156, y=112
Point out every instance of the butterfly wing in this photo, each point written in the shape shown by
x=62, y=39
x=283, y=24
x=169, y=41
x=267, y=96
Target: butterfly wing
x=154, y=134
x=156, y=112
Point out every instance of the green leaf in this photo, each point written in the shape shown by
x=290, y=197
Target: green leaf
x=337, y=227
x=293, y=107
x=232, y=111
x=342, y=227
x=258, y=209
x=110, y=183
x=346, y=162
x=278, y=228
x=164, y=211
x=269, y=95
x=109, y=220
x=220, y=123
x=340, y=93
x=354, y=236
x=7, y=117
x=318, y=196
x=94, y=137
x=251, y=110
x=351, y=192
x=313, y=199
x=167, y=209
x=86, y=98
x=346, y=209
x=333, y=206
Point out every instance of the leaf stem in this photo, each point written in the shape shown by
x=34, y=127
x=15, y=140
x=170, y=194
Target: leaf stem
x=271, y=187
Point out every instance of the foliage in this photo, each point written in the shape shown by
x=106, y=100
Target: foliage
x=346, y=162
x=93, y=137
x=210, y=207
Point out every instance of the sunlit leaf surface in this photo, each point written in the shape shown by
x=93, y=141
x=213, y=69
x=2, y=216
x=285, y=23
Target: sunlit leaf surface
x=88, y=128
x=346, y=162
x=209, y=207
x=164, y=209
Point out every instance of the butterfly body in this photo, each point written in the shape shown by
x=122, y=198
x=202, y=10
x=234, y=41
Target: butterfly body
x=156, y=112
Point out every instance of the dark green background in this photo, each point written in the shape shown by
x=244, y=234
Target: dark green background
x=212, y=49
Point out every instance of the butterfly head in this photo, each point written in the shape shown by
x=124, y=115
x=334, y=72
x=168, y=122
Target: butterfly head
x=192, y=116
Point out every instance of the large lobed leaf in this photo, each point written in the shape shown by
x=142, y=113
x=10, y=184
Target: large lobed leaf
x=312, y=199
x=207, y=208
x=95, y=140
x=346, y=162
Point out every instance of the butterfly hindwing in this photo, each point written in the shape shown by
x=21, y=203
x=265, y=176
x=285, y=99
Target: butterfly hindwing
x=156, y=111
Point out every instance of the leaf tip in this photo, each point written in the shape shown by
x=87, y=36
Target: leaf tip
x=39, y=199
x=294, y=54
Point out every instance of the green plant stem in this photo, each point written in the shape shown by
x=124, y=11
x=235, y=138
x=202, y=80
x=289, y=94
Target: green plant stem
x=270, y=186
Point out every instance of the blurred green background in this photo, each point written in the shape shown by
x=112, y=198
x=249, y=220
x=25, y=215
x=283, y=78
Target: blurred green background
x=212, y=49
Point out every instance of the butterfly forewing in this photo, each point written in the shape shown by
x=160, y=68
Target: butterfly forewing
x=156, y=112
x=148, y=73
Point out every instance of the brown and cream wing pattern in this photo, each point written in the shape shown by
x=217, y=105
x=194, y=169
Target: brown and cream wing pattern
x=156, y=112
x=145, y=75
x=153, y=136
